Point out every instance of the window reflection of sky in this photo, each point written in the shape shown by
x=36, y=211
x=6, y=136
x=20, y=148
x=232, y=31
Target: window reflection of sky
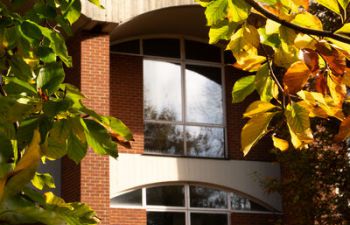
x=162, y=89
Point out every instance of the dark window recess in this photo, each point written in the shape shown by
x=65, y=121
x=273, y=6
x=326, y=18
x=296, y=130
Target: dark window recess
x=166, y=195
x=228, y=57
x=130, y=198
x=166, y=218
x=162, y=47
x=202, y=51
x=127, y=47
x=208, y=219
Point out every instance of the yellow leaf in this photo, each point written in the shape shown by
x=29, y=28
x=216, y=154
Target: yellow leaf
x=272, y=27
x=304, y=41
x=254, y=130
x=337, y=89
x=258, y=107
x=345, y=29
x=296, y=77
x=331, y=5
x=285, y=55
x=306, y=19
x=279, y=143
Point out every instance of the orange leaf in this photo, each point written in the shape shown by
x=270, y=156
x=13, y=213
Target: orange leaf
x=334, y=58
x=303, y=3
x=296, y=77
x=344, y=130
x=310, y=59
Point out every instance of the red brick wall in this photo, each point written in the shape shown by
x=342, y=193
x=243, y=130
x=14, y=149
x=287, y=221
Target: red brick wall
x=89, y=182
x=128, y=217
x=254, y=219
x=126, y=90
x=235, y=123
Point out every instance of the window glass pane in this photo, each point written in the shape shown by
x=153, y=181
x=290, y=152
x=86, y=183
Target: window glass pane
x=162, y=90
x=165, y=218
x=166, y=195
x=202, y=51
x=208, y=219
x=203, y=94
x=127, y=47
x=240, y=203
x=207, y=197
x=164, y=138
x=162, y=47
x=205, y=141
x=131, y=198
x=228, y=57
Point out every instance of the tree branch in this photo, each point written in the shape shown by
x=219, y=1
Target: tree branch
x=304, y=30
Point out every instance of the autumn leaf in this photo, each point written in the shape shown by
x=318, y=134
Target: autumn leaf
x=310, y=58
x=279, y=143
x=334, y=58
x=296, y=77
x=344, y=130
x=258, y=107
x=306, y=19
x=337, y=89
x=254, y=130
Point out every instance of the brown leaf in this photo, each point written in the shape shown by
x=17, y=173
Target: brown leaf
x=337, y=89
x=334, y=58
x=296, y=77
x=344, y=130
x=320, y=83
x=310, y=59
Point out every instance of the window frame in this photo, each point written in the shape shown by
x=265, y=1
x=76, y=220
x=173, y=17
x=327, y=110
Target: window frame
x=187, y=209
x=182, y=61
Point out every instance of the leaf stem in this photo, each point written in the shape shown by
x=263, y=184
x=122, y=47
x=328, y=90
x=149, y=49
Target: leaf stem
x=304, y=30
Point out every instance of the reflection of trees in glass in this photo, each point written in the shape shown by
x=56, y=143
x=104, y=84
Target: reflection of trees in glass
x=207, y=197
x=204, y=94
x=205, y=141
x=163, y=138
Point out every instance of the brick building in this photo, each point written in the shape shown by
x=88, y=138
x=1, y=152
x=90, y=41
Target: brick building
x=147, y=63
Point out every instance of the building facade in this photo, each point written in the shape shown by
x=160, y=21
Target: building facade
x=149, y=64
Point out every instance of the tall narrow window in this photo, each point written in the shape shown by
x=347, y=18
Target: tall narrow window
x=183, y=102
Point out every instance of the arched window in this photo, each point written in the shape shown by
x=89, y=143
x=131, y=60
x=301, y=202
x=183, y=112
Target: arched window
x=183, y=96
x=187, y=204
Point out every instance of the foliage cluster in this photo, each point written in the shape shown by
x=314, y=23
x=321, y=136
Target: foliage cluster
x=41, y=117
x=297, y=53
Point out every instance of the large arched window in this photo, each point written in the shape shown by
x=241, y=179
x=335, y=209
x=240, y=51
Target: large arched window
x=187, y=204
x=183, y=96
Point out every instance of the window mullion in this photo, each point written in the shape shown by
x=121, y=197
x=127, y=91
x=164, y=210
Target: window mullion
x=183, y=92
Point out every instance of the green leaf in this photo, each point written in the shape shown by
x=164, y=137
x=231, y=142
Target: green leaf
x=46, y=54
x=72, y=12
x=254, y=130
x=98, y=138
x=238, y=10
x=216, y=12
x=221, y=31
x=52, y=108
x=50, y=77
x=18, y=86
x=76, y=149
x=12, y=109
x=331, y=5
x=21, y=69
x=43, y=180
x=265, y=85
x=117, y=128
x=258, y=107
x=57, y=140
x=30, y=31
x=242, y=88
